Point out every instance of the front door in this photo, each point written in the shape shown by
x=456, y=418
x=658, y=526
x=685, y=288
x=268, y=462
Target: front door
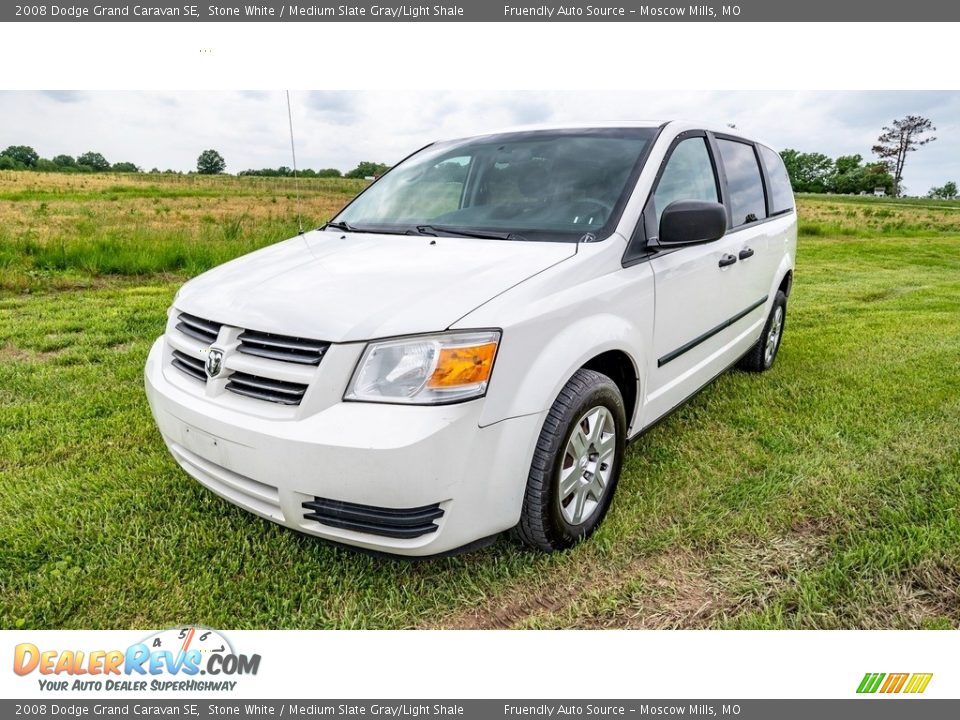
x=699, y=289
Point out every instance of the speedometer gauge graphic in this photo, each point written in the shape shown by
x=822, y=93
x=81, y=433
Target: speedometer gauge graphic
x=189, y=637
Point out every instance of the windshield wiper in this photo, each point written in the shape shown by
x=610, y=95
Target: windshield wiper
x=483, y=234
x=346, y=227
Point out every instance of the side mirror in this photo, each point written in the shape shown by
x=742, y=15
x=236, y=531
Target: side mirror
x=687, y=222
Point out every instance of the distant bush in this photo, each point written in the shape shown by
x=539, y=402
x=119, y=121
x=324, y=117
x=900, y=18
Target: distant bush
x=284, y=171
x=94, y=161
x=367, y=169
x=125, y=167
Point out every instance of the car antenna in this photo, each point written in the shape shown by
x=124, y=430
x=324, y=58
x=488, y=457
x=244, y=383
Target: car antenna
x=296, y=177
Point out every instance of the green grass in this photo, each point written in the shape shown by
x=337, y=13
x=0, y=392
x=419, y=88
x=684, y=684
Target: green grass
x=823, y=494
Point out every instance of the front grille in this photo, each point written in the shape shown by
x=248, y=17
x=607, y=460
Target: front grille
x=278, y=391
x=404, y=523
x=205, y=331
x=282, y=347
x=258, y=383
x=190, y=365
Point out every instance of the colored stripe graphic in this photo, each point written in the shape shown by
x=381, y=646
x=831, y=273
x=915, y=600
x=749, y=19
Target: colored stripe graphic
x=918, y=682
x=894, y=683
x=870, y=683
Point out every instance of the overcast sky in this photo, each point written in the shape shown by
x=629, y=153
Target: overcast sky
x=339, y=129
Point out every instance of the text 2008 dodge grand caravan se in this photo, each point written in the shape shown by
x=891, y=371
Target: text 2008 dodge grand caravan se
x=468, y=345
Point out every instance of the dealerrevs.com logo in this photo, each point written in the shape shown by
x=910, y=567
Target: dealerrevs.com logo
x=179, y=659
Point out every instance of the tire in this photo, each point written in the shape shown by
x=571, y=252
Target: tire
x=762, y=355
x=587, y=410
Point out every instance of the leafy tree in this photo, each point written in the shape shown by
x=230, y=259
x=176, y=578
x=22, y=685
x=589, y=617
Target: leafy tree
x=329, y=173
x=44, y=165
x=94, y=161
x=211, y=162
x=848, y=177
x=947, y=191
x=809, y=172
x=8, y=163
x=127, y=167
x=367, y=169
x=65, y=161
x=876, y=175
x=22, y=154
x=894, y=143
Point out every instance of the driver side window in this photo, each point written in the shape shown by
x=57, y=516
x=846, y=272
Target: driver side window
x=688, y=175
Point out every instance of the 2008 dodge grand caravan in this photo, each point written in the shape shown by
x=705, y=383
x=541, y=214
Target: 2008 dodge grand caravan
x=468, y=345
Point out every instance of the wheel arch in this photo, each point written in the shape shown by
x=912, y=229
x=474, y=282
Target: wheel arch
x=786, y=283
x=619, y=367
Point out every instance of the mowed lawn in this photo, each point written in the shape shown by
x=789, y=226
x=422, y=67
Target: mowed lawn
x=823, y=494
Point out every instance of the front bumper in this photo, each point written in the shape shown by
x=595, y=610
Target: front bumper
x=379, y=456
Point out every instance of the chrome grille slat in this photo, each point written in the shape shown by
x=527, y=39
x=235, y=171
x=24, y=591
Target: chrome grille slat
x=260, y=395
x=282, y=347
x=205, y=331
x=280, y=342
x=278, y=391
x=267, y=384
x=189, y=365
x=278, y=355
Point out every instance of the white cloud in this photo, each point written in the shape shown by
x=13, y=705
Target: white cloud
x=339, y=129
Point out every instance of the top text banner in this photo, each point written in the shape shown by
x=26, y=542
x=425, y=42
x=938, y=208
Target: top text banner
x=482, y=11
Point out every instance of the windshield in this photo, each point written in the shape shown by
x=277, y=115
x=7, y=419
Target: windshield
x=555, y=185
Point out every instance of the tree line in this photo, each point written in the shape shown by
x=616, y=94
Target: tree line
x=24, y=157
x=810, y=172
x=816, y=173
x=209, y=162
x=848, y=174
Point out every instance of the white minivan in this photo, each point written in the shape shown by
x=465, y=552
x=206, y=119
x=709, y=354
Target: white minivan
x=467, y=347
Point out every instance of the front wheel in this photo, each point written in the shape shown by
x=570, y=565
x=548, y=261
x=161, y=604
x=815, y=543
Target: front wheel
x=576, y=464
x=761, y=356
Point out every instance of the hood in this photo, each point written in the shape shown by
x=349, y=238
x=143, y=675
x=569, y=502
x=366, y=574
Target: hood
x=343, y=287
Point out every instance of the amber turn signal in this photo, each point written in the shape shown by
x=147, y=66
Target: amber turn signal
x=463, y=366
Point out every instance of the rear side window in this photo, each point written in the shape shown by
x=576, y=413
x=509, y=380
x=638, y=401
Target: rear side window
x=688, y=175
x=781, y=194
x=744, y=182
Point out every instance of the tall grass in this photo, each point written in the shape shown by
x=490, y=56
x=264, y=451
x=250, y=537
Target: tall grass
x=90, y=226
x=55, y=226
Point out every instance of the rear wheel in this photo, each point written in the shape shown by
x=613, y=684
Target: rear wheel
x=761, y=356
x=576, y=464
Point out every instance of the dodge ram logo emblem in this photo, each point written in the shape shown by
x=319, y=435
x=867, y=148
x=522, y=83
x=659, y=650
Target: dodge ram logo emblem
x=214, y=362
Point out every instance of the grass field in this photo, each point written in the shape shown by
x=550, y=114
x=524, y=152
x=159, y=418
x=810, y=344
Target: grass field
x=823, y=494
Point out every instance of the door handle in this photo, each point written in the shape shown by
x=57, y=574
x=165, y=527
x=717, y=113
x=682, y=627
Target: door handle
x=728, y=259
x=745, y=253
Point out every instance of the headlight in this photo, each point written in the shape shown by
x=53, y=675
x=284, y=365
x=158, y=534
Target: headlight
x=425, y=370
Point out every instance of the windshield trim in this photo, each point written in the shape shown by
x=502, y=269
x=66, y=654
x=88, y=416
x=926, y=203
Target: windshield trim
x=599, y=235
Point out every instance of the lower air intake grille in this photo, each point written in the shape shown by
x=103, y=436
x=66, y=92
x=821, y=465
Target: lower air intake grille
x=404, y=523
x=282, y=347
x=278, y=391
x=190, y=365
